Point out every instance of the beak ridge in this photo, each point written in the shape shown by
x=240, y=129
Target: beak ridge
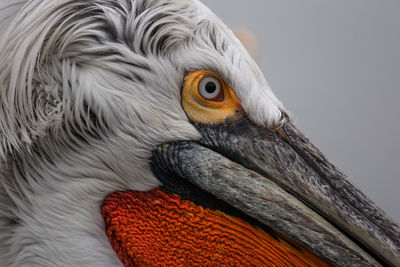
x=362, y=218
x=279, y=178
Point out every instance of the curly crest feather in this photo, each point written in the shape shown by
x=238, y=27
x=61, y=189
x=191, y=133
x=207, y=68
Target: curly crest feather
x=88, y=88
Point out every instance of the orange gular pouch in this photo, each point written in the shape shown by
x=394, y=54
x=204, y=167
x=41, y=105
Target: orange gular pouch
x=159, y=229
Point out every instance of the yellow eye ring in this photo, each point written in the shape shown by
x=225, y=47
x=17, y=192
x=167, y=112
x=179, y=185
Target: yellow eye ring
x=206, y=98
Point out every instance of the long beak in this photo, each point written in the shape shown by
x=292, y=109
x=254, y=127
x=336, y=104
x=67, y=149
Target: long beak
x=279, y=178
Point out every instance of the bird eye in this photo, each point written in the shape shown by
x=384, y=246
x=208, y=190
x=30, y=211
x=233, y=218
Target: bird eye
x=210, y=89
x=207, y=98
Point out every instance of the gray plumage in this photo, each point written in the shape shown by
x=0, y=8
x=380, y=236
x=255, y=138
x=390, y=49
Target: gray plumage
x=87, y=90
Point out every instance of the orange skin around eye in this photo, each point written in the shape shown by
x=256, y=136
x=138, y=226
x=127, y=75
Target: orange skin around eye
x=202, y=110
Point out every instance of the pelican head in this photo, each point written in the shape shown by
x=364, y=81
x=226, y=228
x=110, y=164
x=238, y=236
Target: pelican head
x=102, y=96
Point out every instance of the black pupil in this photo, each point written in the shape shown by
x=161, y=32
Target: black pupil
x=211, y=87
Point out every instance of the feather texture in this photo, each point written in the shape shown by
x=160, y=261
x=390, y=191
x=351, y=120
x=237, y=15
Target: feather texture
x=87, y=90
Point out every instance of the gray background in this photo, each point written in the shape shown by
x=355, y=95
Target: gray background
x=336, y=67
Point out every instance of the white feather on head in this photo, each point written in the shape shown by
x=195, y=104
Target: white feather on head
x=87, y=90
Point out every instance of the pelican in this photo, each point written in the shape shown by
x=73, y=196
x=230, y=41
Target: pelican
x=110, y=109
